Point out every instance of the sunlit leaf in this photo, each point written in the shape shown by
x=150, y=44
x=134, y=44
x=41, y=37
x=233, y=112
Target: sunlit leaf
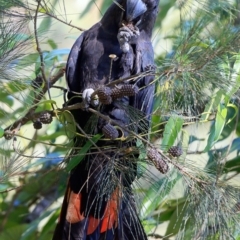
x=184, y=143
x=212, y=105
x=171, y=131
x=1, y=132
x=219, y=124
x=235, y=108
x=52, y=43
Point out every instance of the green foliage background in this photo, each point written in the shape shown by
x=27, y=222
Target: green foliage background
x=196, y=107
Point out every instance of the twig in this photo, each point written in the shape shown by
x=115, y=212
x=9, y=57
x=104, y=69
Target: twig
x=69, y=24
x=30, y=115
x=229, y=178
x=131, y=78
x=11, y=189
x=180, y=168
x=37, y=41
x=39, y=49
x=58, y=19
x=108, y=119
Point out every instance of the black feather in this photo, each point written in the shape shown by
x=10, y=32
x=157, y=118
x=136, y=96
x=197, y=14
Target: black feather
x=99, y=174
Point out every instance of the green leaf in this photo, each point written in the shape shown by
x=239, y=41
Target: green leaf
x=15, y=86
x=234, y=87
x=184, y=144
x=176, y=220
x=235, y=108
x=68, y=121
x=233, y=165
x=1, y=132
x=149, y=224
x=236, y=65
x=3, y=187
x=169, y=208
x=7, y=99
x=171, y=131
x=50, y=137
x=13, y=232
x=52, y=43
x=45, y=25
x=56, y=53
x=49, y=101
x=156, y=195
x=77, y=159
x=34, y=225
x=50, y=226
x=212, y=105
x=220, y=121
x=27, y=60
x=165, y=7
x=219, y=124
x=210, y=141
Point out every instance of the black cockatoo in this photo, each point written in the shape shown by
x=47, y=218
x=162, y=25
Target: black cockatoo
x=99, y=202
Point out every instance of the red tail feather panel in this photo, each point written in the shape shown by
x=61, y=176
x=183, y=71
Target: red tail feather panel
x=117, y=221
x=73, y=209
x=108, y=222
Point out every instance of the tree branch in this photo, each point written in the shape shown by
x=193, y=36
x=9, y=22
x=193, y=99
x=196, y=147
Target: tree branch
x=30, y=115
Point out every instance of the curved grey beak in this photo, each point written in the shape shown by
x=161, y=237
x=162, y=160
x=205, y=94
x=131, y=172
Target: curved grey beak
x=134, y=8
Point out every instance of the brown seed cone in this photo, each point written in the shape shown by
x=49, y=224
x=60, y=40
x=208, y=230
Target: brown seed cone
x=104, y=95
x=45, y=118
x=37, y=124
x=175, y=151
x=124, y=90
x=109, y=131
x=158, y=161
x=8, y=135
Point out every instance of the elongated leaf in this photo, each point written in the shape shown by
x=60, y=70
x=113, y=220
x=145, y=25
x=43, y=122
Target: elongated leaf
x=233, y=89
x=219, y=124
x=52, y=43
x=156, y=195
x=34, y=225
x=233, y=165
x=1, y=132
x=176, y=220
x=27, y=60
x=170, y=207
x=171, y=131
x=220, y=121
x=56, y=52
x=212, y=105
x=184, y=143
x=77, y=159
x=51, y=223
x=13, y=232
x=235, y=108
x=49, y=101
x=45, y=25
x=67, y=119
